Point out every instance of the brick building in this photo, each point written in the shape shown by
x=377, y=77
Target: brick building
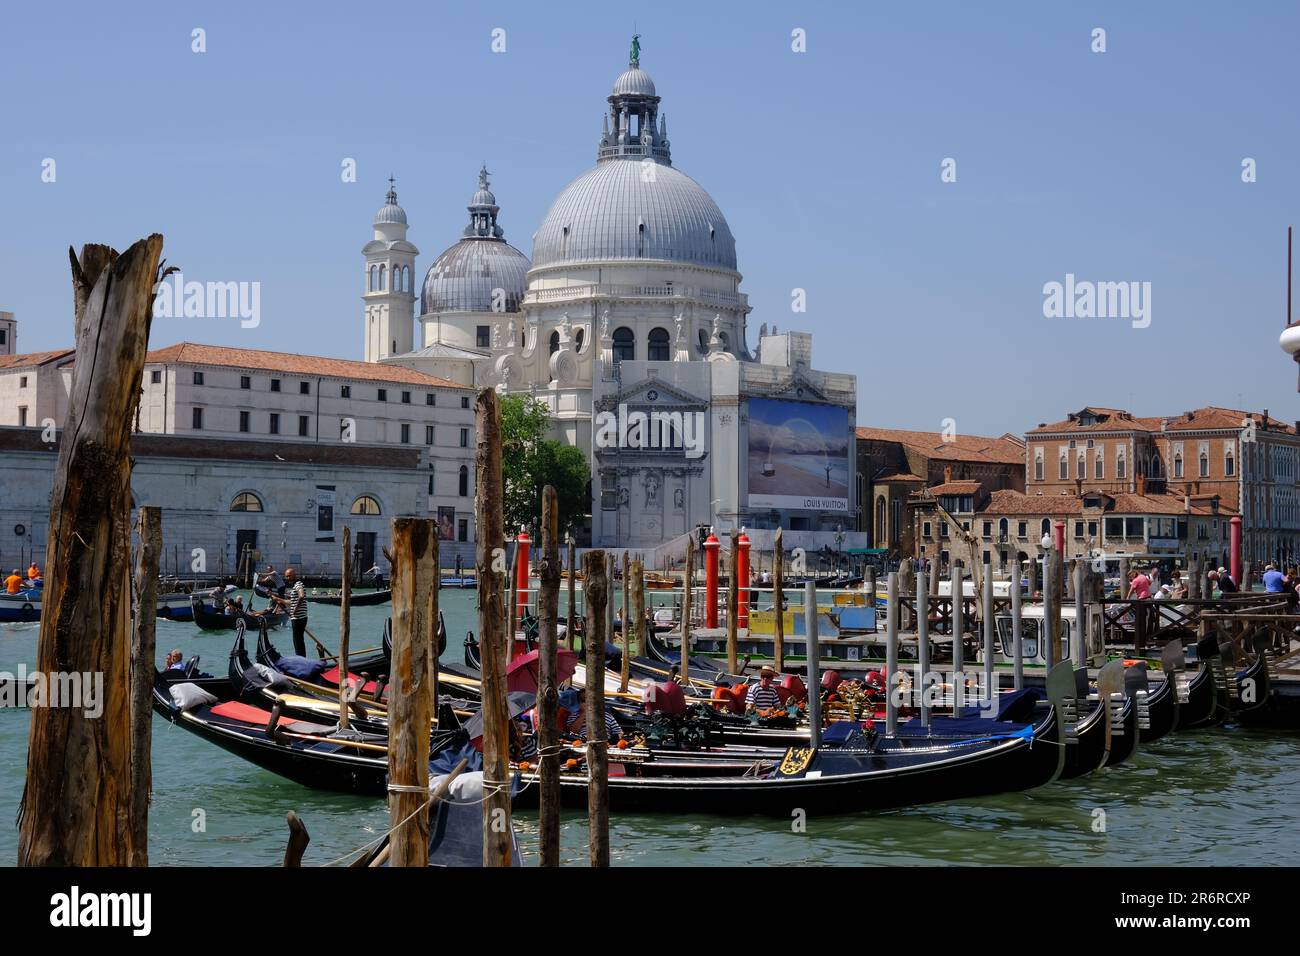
x=893, y=464
x=1249, y=460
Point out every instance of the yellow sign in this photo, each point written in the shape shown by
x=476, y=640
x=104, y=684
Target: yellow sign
x=796, y=760
x=764, y=622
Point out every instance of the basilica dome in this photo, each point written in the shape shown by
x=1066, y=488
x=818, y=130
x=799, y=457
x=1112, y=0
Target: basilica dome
x=466, y=276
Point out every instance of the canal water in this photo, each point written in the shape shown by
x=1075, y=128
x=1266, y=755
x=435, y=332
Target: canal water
x=1218, y=797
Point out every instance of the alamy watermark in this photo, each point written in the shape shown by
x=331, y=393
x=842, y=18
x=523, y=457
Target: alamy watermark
x=657, y=429
x=174, y=298
x=1084, y=299
x=73, y=690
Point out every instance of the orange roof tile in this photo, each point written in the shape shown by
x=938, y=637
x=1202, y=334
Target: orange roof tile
x=956, y=488
x=190, y=353
x=32, y=359
x=1006, y=449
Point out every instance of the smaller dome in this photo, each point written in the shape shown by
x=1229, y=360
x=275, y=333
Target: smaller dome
x=483, y=197
x=634, y=82
x=390, y=211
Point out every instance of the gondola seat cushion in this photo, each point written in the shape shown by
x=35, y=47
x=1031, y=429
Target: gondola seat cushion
x=303, y=668
x=187, y=696
x=271, y=676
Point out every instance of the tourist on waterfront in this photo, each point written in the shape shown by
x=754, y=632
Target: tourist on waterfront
x=1273, y=579
x=295, y=602
x=763, y=696
x=1225, y=582
x=14, y=583
x=1139, y=585
x=175, y=661
x=34, y=574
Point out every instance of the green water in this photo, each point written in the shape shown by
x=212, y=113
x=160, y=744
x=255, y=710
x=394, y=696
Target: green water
x=1219, y=797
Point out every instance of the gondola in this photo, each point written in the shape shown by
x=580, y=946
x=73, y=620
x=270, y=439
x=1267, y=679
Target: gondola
x=357, y=598
x=1156, y=709
x=855, y=776
x=302, y=751
x=209, y=619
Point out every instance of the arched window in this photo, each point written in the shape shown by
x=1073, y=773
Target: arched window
x=374, y=278
x=624, y=344
x=882, y=532
x=657, y=349
x=1046, y=526
x=555, y=342
x=246, y=501
x=1178, y=466
x=725, y=340
x=1205, y=465
x=704, y=341
x=578, y=339
x=464, y=481
x=1002, y=529
x=383, y=277
x=365, y=505
x=406, y=278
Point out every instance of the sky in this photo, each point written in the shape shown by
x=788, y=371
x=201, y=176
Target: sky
x=1117, y=166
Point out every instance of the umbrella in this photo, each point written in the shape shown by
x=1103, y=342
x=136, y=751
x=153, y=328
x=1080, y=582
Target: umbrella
x=516, y=703
x=523, y=673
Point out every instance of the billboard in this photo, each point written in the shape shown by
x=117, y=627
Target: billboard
x=446, y=523
x=798, y=455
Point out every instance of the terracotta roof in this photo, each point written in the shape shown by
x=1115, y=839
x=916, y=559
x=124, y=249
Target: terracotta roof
x=1210, y=416
x=1006, y=449
x=900, y=476
x=32, y=359
x=956, y=488
x=1006, y=502
x=190, y=353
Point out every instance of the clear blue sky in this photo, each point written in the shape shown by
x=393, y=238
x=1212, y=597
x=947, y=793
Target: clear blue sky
x=1117, y=166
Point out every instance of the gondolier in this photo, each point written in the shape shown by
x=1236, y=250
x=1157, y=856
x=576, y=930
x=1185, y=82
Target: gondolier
x=295, y=602
x=763, y=696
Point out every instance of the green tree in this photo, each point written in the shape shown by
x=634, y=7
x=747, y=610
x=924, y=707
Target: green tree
x=530, y=462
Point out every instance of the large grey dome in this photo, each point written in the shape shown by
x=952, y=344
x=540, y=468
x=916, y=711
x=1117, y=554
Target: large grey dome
x=634, y=81
x=463, y=278
x=622, y=209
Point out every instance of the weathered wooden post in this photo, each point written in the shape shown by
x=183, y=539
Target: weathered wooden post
x=906, y=588
x=687, y=580
x=490, y=561
x=1051, y=608
x=410, y=708
x=814, y=663
x=990, y=692
x=548, y=734
x=1195, y=578
x=142, y=671
x=638, y=607
x=571, y=624
x=512, y=603
x=345, y=628
x=1017, y=637
x=78, y=808
x=733, y=603
x=778, y=604
x=1071, y=579
x=627, y=618
x=1079, y=633
x=958, y=635
x=596, y=587
x=891, y=654
x=921, y=686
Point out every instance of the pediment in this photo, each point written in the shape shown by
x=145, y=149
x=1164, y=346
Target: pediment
x=651, y=392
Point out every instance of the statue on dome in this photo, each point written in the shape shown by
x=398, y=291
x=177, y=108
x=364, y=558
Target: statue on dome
x=634, y=58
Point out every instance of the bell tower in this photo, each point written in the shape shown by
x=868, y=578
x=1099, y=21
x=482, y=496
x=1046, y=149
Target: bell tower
x=389, y=283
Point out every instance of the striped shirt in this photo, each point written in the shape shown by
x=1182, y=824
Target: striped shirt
x=763, y=698
x=297, y=601
x=612, y=729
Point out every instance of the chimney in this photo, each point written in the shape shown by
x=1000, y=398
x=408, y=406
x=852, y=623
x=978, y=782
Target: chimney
x=1142, y=484
x=1187, y=503
x=947, y=474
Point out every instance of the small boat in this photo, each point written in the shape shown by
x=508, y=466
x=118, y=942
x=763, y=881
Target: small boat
x=211, y=619
x=458, y=581
x=357, y=599
x=23, y=607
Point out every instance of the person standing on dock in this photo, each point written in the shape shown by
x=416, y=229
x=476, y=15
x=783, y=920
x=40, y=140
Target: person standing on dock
x=1225, y=582
x=296, y=603
x=1273, y=579
x=1139, y=585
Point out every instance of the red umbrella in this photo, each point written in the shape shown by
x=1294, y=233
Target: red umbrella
x=523, y=673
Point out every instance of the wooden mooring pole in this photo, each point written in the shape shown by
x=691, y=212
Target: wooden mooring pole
x=626, y=629
x=492, y=617
x=814, y=664
x=143, y=652
x=571, y=624
x=891, y=654
x=986, y=612
x=638, y=607
x=345, y=627
x=596, y=588
x=77, y=806
x=1018, y=672
x=687, y=580
x=778, y=604
x=548, y=734
x=410, y=708
x=922, y=684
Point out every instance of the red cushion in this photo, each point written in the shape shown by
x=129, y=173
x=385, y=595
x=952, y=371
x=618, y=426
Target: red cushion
x=332, y=675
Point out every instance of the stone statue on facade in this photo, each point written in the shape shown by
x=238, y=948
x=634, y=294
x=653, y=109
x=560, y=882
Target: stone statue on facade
x=651, y=489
